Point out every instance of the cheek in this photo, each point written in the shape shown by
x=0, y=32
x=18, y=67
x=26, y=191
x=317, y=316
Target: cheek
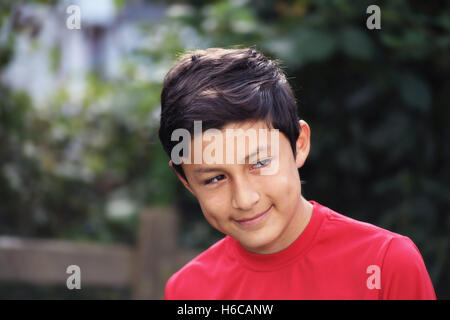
x=215, y=208
x=285, y=187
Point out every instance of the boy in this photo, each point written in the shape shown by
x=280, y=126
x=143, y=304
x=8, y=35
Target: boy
x=278, y=245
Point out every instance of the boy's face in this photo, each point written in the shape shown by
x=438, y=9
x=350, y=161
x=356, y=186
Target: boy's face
x=262, y=211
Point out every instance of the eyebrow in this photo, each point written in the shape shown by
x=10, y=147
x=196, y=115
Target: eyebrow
x=211, y=169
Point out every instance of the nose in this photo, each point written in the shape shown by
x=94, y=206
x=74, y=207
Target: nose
x=244, y=195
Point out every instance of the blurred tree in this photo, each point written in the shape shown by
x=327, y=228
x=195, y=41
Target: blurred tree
x=377, y=102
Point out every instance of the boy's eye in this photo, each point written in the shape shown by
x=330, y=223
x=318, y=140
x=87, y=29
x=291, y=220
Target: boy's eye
x=261, y=163
x=214, y=179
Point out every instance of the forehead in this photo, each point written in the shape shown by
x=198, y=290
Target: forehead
x=235, y=143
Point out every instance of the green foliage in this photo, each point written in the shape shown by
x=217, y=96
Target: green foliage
x=377, y=102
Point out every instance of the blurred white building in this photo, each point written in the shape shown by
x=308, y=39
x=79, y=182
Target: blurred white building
x=48, y=55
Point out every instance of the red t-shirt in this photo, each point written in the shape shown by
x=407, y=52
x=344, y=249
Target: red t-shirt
x=335, y=257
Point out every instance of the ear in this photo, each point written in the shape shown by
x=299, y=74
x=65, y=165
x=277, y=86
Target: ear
x=303, y=143
x=182, y=179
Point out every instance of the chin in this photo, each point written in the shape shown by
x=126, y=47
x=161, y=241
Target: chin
x=259, y=242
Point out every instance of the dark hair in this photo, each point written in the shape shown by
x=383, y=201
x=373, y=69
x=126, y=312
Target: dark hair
x=220, y=86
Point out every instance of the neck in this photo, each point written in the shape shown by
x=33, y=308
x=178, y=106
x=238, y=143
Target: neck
x=299, y=220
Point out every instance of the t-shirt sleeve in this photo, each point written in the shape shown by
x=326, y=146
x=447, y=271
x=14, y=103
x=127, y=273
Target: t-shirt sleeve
x=404, y=275
x=180, y=286
x=168, y=292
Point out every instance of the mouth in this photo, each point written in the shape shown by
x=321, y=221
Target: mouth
x=255, y=219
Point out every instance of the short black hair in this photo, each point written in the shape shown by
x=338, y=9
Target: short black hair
x=220, y=86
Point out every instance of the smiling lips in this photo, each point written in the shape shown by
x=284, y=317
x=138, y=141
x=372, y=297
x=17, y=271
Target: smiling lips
x=254, y=220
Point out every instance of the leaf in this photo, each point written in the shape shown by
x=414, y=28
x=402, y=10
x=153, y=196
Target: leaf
x=415, y=92
x=314, y=45
x=356, y=43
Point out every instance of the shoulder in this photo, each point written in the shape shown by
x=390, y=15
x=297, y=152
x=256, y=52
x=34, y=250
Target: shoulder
x=345, y=228
x=197, y=273
x=358, y=239
x=403, y=272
